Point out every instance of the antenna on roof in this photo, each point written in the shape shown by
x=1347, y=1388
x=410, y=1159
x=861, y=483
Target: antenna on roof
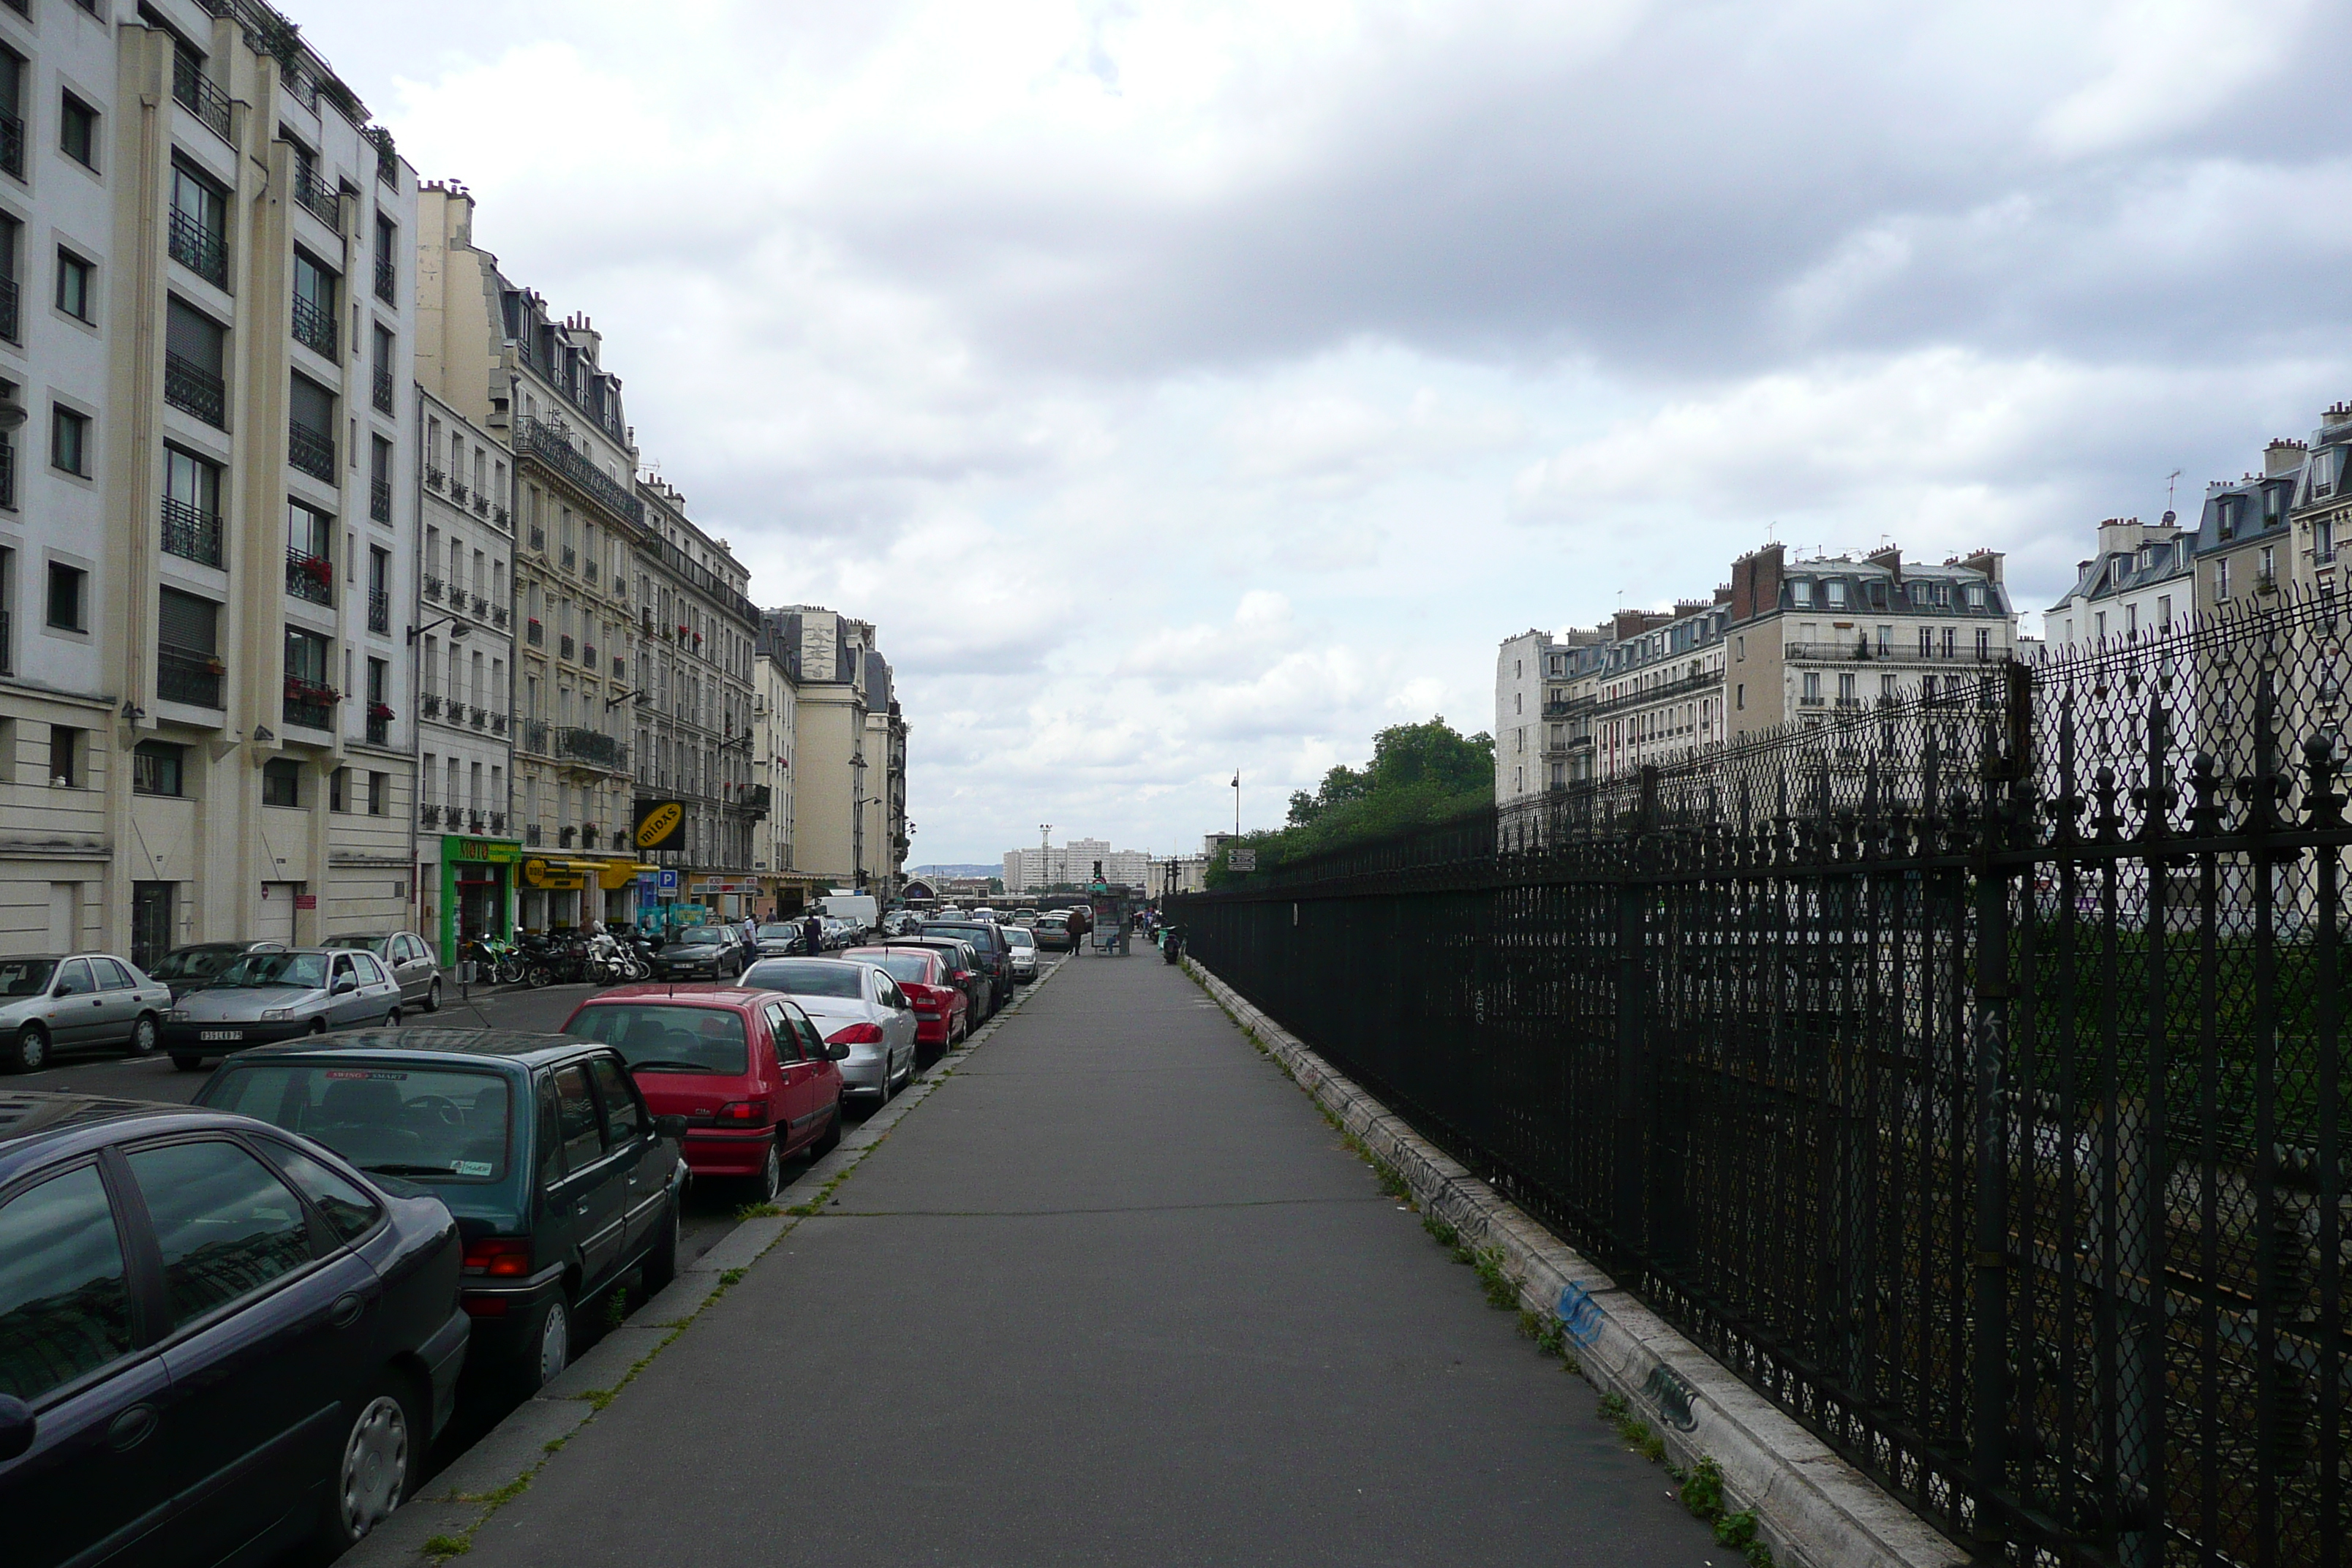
x=2172, y=482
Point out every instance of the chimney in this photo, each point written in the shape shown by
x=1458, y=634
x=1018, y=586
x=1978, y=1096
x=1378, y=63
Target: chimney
x=1722, y=595
x=1756, y=583
x=2281, y=456
x=1891, y=558
x=1989, y=561
x=2120, y=535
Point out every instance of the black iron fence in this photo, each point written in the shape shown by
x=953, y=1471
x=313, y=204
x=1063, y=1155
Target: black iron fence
x=1968, y=1076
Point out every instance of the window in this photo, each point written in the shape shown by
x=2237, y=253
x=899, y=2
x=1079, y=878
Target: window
x=1885, y=641
x=2131, y=623
x=1926, y=642
x=621, y=1113
x=335, y=788
x=69, y=608
x=74, y=279
x=1846, y=691
x=1976, y=596
x=1835, y=589
x=379, y=795
x=387, y=260
x=224, y=1224
x=576, y=1129
x=2269, y=571
x=314, y=306
x=2221, y=578
x=2099, y=626
x=1887, y=688
x=281, y=782
x=1801, y=592
x=78, y=131
x=310, y=429
x=1813, y=689
x=65, y=1300
x=1739, y=696
x=1919, y=592
x=70, y=440
x=2164, y=610
x=349, y=1212
x=195, y=350
x=156, y=768
x=1984, y=642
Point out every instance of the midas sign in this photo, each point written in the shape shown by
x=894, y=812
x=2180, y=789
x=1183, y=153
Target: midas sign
x=661, y=823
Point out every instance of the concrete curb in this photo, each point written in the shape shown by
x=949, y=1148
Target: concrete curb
x=504, y=1462
x=1812, y=1507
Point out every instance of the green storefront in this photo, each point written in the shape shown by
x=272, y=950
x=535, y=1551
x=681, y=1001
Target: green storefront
x=476, y=891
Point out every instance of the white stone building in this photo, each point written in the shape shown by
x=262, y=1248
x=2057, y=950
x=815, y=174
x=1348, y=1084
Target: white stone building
x=1035, y=869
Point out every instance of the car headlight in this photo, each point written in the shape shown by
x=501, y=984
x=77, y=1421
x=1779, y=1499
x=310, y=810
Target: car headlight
x=176, y=1016
x=273, y=1014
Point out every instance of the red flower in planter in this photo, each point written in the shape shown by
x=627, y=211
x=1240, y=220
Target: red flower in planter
x=320, y=570
x=380, y=711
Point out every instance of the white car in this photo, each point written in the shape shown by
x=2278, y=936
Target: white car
x=853, y=1005
x=1024, y=951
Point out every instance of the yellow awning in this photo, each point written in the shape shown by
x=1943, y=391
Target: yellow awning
x=616, y=874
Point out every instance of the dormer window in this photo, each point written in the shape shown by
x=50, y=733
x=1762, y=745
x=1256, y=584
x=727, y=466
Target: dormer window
x=2147, y=556
x=1919, y=593
x=2225, y=515
x=2323, y=474
x=1976, y=597
x=1835, y=589
x=2274, y=500
x=1800, y=591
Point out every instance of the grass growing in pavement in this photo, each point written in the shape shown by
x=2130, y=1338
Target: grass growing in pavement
x=758, y=1211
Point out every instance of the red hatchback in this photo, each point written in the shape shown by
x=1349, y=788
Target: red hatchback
x=942, y=1012
x=750, y=1074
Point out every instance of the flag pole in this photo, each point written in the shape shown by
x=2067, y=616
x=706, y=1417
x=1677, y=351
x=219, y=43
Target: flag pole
x=1237, y=802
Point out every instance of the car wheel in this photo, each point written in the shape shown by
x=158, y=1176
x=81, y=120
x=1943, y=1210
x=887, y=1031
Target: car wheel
x=433, y=997
x=30, y=1052
x=661, y=1259
x=145, y=1036
x=381, y=1455
x=318, y=1025
x=547, y=1347
x=771, y=1179
x=187, y=1063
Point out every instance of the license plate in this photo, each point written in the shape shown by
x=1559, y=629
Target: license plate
x=222, y=1034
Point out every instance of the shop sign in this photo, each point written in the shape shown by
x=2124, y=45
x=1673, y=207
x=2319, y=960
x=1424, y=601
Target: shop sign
x=537, y=873
x=496, y=850
x=661, y=823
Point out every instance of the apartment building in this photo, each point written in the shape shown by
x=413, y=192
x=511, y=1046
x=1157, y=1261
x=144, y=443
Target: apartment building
x=206, y=529
x=838, y=675
x=1813, y=638
x=1655, y=689
x=1072, y=864
x=468, y=850
x=697, y=645
x=2141, y=581
x=884, y=828
x=774, y=721
x=490, y=349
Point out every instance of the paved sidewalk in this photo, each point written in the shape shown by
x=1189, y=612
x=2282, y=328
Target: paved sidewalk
x=1114, y=1294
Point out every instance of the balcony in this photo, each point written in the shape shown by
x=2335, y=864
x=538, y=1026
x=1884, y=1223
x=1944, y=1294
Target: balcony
x=539, y=442
x=534, y=634
x=309, y=704
x=481, y=504
x=431, y=589
x=428, y=816
x=380, y=612
x=380, y=500
x=497, y=723
x=593, y=748
x=183, y=675
x=314, y=327
x=481, y=607
x=435, y=478
x=387, y=280
x=1813, y=701
x=539, y=540
x=310, y=577
x=531, y=836
x=383, y=390
x=498, y=615
x=7, y=473
x=588, y=655
x=12, y=145
x=620, y=668
x=196, y=93
x=480, y=718
x=474, y=823
x=191, y=535
x=1859, y=651
x=589, y=570
x=564, y=647
x=203, y=252
x=498, y=822
x=312, y=452
x=7, y=643
x=456, y=489
x=531, y=736
x=429, y=705
x=379, y=731
x=192, y=389
x=570, y=559
x=755, y=800
x=325, y=203
x=499, y=515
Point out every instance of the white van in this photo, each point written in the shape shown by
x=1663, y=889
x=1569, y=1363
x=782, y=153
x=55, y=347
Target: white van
x=859, y=908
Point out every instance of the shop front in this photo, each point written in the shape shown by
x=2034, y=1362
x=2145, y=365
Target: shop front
x=474, y=894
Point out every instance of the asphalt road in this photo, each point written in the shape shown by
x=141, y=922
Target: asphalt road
x=1113, y=1294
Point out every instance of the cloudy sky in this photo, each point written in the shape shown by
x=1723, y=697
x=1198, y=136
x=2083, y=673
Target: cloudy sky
x=1191, y=387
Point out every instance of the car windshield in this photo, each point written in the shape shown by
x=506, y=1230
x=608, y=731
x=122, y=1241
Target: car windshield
x=663, y=1037
x=196, y=963
x=778, y=932
x=806, y=977
x=307, y=970
x=897, y=965
x=701, y=939
x=362, y=944
x=432, y=1123
x=1018, y=937
x=26, y=977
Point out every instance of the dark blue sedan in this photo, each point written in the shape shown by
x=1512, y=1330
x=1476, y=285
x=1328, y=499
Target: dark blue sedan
x=215, y=1337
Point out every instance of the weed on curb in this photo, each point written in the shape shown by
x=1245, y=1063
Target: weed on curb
x=759, y=1211
x=441, y=1548
x=1502, y=1290
x=1701, y=1491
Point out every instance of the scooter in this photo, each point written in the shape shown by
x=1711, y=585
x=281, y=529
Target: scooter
x=1171, y=944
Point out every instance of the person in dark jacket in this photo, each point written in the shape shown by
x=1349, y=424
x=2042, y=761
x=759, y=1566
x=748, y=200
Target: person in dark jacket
x=813, y=935
x=1082, y=921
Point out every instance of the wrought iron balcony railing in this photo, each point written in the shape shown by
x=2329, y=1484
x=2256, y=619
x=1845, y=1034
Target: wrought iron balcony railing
x=383, y=389
x=387, y=279
x=312, y=452
x=191, y=388
x=185, y=676
x=536, y=440
x=12, y=145
x=326, y=204
x=203, y=252
x=379, y=611
x=11, y=326
x=310, y=577
x=435, y=478
x=198, y=93
x=431, y=588
x=593, y=747
x=380, y=500
x=189, y=533
x=314, y=327
x=430, y=705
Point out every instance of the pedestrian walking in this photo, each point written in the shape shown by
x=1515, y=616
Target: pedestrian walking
x=813, y=935
x=1082, y=921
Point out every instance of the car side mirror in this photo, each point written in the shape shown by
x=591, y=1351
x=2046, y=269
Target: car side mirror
x=345, y=984
x=17, y=1426
x=835, y=1052
x=670, y=1127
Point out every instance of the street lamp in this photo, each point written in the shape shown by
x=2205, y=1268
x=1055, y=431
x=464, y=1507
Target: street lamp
x=457, y=628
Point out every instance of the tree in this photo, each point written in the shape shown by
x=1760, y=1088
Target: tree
x=1418, y=774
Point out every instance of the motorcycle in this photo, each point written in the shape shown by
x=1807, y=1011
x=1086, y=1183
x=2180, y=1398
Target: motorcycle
x=495, y=963
x=1171, y=944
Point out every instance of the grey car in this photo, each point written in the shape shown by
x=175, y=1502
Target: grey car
x=266, y=997
x=186, y=969
x=75, y=1000
x=411, y=963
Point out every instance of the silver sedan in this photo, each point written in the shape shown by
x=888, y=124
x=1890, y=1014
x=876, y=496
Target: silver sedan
x=266, y=997
x=50, y=1005
x=405, y=954
x=853, y=1004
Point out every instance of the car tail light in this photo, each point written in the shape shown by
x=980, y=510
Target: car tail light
x=485, y=1306
x=743, y=1114
x=856, y=1034
x=499, y=1256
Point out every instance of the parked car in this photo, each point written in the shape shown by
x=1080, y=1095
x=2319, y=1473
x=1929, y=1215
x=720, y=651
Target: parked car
x=780, y=939
x=900, y=922
x=943, y=1009
x=186, y=968
x=703, y=953
x=276, y=994
x=1024, y=952
x=1054, y=934
x=1024, y=918
x=216, y=1341
x=987, y=939
x=412, y=965
x=853, y=1005
x=562, y=1178
x=84, y=999
x=755, y=1081
x=964, y=971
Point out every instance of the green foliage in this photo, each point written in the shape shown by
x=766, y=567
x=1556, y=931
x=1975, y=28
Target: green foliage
x=1419, y=773
x=1502, y=1290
